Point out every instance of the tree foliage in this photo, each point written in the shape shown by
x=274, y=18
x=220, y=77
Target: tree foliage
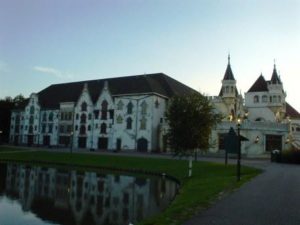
x=6, y=105
x=191, y=118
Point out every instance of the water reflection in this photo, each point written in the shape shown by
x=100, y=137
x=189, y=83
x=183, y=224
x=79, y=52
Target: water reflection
x=71, y=197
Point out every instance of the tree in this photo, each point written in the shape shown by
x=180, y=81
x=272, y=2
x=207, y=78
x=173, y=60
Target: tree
x=6, y=105
x=191, y=118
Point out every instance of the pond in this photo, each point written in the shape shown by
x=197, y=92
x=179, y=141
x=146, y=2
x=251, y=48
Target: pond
x=38, y=195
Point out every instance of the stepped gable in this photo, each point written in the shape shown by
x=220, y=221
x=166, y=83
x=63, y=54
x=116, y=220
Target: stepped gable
x=158, y=83
x=260, y=85
x=291, y=111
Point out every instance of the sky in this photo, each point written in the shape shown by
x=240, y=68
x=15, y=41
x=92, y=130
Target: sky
x=43, y=42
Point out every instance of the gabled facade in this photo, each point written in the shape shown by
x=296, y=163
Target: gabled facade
x=267, y=120
x=109, y=114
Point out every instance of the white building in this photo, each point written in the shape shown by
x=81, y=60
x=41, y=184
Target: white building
x=268, y=121
x=114, y=114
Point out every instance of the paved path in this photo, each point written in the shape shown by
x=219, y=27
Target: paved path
x=272, y=198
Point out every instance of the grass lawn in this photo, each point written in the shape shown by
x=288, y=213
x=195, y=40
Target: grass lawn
x=208, y=183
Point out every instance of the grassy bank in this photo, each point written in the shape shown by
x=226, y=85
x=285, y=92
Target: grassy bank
x=208, y=182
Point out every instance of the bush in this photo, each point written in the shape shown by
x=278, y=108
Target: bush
x=290, y=156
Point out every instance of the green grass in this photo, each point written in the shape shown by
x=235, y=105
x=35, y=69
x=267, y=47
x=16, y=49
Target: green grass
x=209, y=181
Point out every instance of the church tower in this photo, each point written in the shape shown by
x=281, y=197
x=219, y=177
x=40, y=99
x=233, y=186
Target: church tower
x=276, y=95
x=229, y=93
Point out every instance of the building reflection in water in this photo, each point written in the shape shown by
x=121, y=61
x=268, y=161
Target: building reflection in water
x=73, y=197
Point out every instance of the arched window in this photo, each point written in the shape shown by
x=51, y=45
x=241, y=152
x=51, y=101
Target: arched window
x=129, y=123
x=120, y=105
x=31, y=119
x=32, y=110
x=227, y=89
x=256, y=99
x=264, y=98
x=51, y=116
x=83, y=118
x=103, y=128
x=144, y=107
x=83, y=107
x=129, y=108
x=44, y=117
x=82, y=129
x=143, y=123
x=119, y=119
x=104, y=105
x=231, y=89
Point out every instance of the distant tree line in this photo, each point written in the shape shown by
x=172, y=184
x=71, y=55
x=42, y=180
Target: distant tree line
x=6, y=106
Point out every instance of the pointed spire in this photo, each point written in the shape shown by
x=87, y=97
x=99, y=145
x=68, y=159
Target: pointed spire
x=275, y=78
x=228, y=73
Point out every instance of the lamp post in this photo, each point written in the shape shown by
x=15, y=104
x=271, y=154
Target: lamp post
x=239, y=150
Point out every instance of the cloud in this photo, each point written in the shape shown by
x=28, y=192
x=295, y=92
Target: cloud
x=53, y=72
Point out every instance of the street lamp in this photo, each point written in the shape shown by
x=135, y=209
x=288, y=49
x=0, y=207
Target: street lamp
x=239, y=149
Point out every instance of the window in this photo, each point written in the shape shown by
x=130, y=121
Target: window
x=264, y=98
x=96, y=114
x=119, y=119
x=256, y=99
x=143, y=123
x=83, y=118
x=82, y=129
x=129, y=123
x=83, y=107
x=231, y=89
x=144, y=108
x=45, y=117
x=270, y=98
x=227, y=89
x=120, y=105
x=30, y=129
x=44, y=128
x=31, y=119
x=103, y=128
x=279, y=98
x=32, y=110
x=17, y=119
x=90, y=116
x=89, y=127
x=104, y=110
x=50, y=128
x=274, y=98
x=51, y=116
x=111, y=114
x=77, y=116
x=129, y=108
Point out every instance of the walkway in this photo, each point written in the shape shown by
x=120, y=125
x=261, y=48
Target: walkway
x=272, y=198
